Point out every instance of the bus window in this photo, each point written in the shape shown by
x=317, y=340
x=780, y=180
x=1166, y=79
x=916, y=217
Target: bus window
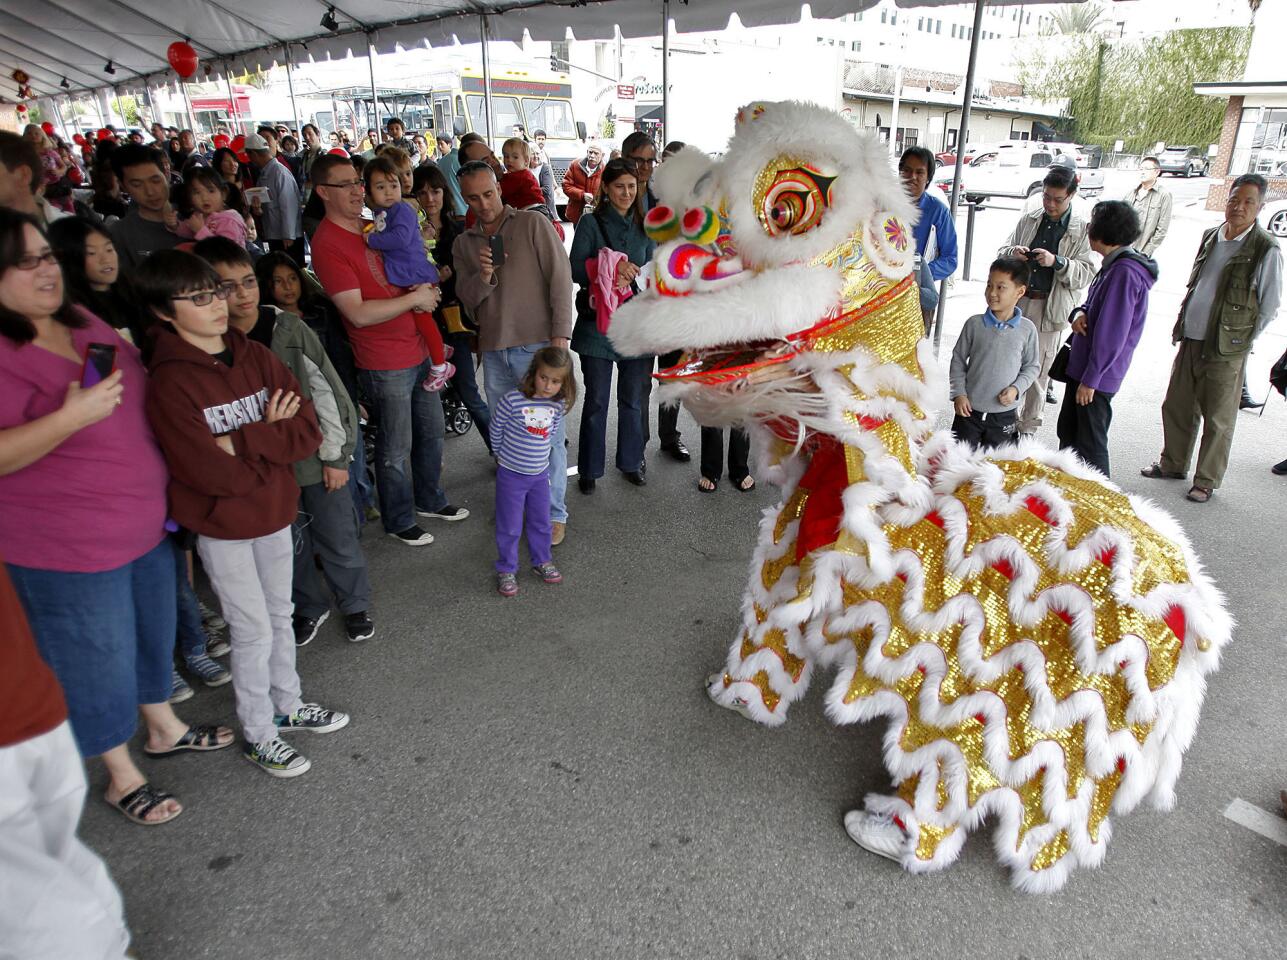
x=460, y=107
x=442, y=115
x=552, y=116
x=504, y=115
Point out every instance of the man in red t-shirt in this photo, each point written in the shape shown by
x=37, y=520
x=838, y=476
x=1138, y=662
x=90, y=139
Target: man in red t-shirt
x=56, y=898
x=391, y=357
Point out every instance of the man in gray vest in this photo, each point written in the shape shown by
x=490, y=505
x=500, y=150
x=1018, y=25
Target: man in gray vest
x=1234, y=291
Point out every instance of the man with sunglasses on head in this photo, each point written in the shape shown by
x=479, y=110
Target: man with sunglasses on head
x=390, y=355
x=1052, y=238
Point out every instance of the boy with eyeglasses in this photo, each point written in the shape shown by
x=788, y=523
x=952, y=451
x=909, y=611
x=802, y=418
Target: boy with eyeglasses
x=327, y=526
x=231, y=423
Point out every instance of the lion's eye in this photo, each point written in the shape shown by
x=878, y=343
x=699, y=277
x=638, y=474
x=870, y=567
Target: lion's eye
x=794, y=199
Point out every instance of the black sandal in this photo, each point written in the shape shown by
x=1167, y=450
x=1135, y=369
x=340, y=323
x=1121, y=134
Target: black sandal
x=714, y=485
x=1155, y=472
x=136, y=805
x=740, y=484
x=200, y=737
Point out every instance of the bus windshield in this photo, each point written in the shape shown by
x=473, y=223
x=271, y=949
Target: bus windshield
x=505, y=115
x=552, y=116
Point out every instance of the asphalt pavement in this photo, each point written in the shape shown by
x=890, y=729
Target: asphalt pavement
x=543, y=777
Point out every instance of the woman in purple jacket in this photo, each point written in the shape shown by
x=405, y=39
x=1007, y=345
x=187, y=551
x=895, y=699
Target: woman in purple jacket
x=1106, y=329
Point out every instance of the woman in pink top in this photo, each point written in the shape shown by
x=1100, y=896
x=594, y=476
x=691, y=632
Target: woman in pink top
x=82, y=517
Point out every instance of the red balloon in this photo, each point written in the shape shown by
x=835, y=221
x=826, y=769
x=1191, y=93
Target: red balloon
x=182, y=58
x=221, y=141
x=238, y=144
x=337, y=152
x=104, y=134
x=48, y=128
x=78, y=140
x=243, y=156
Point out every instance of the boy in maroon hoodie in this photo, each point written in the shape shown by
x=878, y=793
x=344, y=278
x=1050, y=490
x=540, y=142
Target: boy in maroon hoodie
x=231, y=423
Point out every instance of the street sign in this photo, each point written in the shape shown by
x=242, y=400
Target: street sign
x=1117, y=145
x=625, y=91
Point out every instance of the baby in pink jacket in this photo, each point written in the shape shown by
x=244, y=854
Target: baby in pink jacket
x=206, y=194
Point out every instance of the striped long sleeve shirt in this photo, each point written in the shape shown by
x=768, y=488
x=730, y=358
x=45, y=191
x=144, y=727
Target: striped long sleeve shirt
x=522, y=431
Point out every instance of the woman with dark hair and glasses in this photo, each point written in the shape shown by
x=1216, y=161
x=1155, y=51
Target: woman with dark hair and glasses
x=96, y=576
x=615, y=226
x=430, y=190
x=1106, y=329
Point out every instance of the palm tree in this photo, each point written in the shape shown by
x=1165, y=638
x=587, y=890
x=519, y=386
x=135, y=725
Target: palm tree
x=1077, y=18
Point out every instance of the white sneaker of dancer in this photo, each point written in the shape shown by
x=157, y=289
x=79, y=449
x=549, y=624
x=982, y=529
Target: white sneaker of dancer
x=878, y=833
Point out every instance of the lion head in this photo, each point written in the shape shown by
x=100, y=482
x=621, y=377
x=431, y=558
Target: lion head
x=793, y=249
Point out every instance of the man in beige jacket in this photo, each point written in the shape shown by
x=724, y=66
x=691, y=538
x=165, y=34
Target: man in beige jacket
x=1053, y=239
x=521, y=304
x=1152, y=203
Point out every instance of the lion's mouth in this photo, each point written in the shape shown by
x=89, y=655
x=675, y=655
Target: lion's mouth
x=713, y=366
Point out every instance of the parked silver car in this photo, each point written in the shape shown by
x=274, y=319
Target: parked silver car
x=1184, y=161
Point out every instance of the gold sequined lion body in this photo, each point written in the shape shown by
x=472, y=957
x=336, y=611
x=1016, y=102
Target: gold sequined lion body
x=1037, y=639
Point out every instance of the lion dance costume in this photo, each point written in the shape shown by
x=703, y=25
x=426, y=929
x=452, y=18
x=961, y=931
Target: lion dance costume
x=1037, y=639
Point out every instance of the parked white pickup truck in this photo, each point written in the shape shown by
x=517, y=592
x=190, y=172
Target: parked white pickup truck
x=1016, y=169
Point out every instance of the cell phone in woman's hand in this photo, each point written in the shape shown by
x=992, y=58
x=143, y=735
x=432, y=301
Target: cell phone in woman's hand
x=100, y=361
x=496, y=243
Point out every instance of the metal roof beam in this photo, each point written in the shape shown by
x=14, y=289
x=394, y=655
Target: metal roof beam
x=89, y=23
x=44, y=56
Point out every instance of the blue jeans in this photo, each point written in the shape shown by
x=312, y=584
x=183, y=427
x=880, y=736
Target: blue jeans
x=360, y=487
x=192, y=635
x=632, y=392
x=109, y=638
x=466, y=383
x=502, y=371
x=408, y=449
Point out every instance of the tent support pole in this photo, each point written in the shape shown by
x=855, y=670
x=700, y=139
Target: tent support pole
x=192, y=117
x=290, y=85
x=665, y=70
x=232, y=100
x=373, y=121
x=961, y=133
x=487, y=78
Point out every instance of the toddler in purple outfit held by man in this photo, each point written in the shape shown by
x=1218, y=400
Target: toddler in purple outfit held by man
x=395, y=233
x=523, y=426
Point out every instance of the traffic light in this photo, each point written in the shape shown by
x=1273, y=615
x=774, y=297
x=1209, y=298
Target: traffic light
x=554, y=62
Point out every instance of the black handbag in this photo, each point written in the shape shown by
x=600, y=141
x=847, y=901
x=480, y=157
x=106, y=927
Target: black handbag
x=1278, y=374
x=1059, y=365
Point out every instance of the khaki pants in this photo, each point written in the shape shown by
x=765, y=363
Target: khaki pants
x=1201, y=392
x=1048, y=344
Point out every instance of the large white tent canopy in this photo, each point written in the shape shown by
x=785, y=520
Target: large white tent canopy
x=66, y=46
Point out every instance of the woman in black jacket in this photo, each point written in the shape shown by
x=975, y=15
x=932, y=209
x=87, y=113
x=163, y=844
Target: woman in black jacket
x=429, y=187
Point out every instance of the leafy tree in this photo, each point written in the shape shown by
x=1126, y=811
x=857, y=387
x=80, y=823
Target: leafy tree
x=1139, y=91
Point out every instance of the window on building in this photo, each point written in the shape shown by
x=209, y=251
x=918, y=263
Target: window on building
x=1261, y=143
x=856, y=45
x=920, y=23
x=953, y=31
x=938, y=26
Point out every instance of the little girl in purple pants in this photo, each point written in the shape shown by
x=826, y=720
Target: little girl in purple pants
x=523, y=426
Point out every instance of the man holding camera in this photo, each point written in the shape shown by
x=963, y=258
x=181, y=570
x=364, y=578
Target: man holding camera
x=513, y=277
x=1053, y=239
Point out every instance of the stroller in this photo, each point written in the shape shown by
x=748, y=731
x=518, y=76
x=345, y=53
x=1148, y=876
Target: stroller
x=457, y=416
